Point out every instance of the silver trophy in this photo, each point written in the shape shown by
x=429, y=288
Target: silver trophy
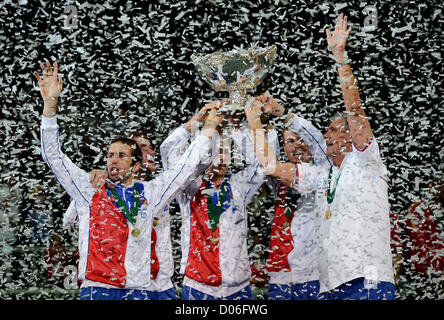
x=235, y=71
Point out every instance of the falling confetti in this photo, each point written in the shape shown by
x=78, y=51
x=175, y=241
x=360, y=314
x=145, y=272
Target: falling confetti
x=127, y=66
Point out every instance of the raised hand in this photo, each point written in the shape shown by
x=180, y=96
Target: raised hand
x=215, y=117
x=271, y=106
x=337, y=41
x=50, y=88
x=360, y=128
x=202, y=115
x=254, y=111
x=51, y=85
x=213, y=120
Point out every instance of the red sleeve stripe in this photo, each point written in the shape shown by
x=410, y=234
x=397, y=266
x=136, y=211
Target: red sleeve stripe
x=366, y=146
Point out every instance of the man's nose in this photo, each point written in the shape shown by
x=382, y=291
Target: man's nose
x=113, y=159
x=326, y=136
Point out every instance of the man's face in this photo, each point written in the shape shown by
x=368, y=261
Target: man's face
x=148, y=163
x=119, y=162
x=338, y=139
x=219, y=166
x=295, y=148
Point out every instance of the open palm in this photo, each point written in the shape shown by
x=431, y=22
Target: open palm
x=337, y=41
x=51, y=85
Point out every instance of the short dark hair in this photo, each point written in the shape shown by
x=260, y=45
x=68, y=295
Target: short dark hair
x=141, y=134
x=136, y=152
x=145, y=135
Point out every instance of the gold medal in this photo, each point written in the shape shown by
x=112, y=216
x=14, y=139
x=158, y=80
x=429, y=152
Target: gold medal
x=135, y=232
x=214, y=240
x=328, y=214
x=155, y=222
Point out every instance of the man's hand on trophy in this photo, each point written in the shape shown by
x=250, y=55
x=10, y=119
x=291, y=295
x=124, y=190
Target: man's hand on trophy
x=219, y=114
x=213, y=123
x=201, y=116
x=214, y=118
x=270, y=107
x=254, y=111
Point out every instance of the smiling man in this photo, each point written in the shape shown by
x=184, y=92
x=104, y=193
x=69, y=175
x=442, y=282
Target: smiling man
x=215, y=261
x=292, y=262
x=123, y=160
x=115, y=224
x=162, y=263
x=338, y=138
x=352, y=194
x=295, y=148
x=148, y=163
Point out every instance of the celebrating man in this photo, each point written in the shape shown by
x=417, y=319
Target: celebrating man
x=215, y=259
x=115, y=223
x=292, y=263
x=162, y=264
x=355, y=257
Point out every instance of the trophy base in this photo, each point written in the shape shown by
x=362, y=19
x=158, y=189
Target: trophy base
x=236, y=102
x=232, y=108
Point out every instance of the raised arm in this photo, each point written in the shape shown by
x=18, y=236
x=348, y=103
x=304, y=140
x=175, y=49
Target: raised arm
x=199, y=118
x=172, y=181
x=73, y=179
x=176, y=143
x=174, y=146
x=250, y=178
x=359, y=125
x=284, y=172
x=311, y=135
x=50, y=88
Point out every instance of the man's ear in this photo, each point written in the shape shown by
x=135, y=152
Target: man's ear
x=136, y=167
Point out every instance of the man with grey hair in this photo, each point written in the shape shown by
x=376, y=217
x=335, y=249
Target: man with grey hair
x=352, y=194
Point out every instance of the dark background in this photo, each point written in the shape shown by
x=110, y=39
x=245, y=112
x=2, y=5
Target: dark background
x=127, y=66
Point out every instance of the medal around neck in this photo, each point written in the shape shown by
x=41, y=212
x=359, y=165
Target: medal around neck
x=328, y=213
x=135, y=232
x=130, y=215
x=331, y=194
x=235, y=71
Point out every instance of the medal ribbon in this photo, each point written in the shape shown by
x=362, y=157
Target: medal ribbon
x=331, y=195
x=130, y=216
x=292, y=204
x=216, y=204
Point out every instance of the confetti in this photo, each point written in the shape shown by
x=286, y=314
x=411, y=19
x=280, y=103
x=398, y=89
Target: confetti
x=127, y=67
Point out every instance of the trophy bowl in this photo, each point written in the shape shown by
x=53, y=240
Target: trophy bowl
x=235, y=71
